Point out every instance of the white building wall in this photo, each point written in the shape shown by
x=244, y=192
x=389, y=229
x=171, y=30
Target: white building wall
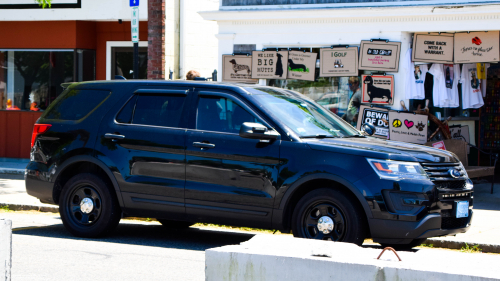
x=104, y=10
x=172, y=31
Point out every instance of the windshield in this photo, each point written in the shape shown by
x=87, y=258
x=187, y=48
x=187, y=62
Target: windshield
x=302, y=115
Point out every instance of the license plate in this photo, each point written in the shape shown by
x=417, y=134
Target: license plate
x=462, y=209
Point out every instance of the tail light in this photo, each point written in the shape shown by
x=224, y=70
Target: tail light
x=39, y=129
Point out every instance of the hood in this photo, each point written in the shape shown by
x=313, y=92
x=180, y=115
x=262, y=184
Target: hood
x=372, y=147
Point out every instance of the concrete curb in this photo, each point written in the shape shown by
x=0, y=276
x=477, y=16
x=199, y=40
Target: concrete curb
x=449, y=244
x=21, y=207
x=11, y=171
x=5, y=249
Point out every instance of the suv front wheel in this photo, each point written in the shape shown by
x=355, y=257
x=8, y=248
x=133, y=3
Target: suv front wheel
x=328, y=214
x=87, y=206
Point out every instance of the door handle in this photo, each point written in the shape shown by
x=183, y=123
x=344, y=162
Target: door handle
x=203, y=145
x=114, y=137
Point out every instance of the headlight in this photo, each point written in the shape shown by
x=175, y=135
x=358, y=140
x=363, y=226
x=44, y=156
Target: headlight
x=398, y=170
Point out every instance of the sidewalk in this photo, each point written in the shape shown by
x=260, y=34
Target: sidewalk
x=13, y=166
x=484, y=232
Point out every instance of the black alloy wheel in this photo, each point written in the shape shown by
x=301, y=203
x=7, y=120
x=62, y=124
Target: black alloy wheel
x=88, y=207
x=329, y=214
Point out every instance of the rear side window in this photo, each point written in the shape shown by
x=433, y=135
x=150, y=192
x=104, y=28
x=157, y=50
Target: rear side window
x=125, y=115
x=159, y=110
x=75, y=104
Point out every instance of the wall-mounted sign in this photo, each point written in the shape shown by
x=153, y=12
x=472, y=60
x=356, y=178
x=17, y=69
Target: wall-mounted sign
x=375, y=116
x=477, y=47
x=377, y=89
x=338, y=62
x=433, y=47
x=408, y=127
x=379, y=55
x=269, y=64
x=461, y=133
x=301, y=65
x=237, y=68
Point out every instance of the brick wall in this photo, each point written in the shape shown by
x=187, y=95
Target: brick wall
x=156, y=39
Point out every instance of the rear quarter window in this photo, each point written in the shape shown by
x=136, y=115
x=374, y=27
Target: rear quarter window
x=75, y=104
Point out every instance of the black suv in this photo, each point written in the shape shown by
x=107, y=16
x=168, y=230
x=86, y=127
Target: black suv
x=255, y=156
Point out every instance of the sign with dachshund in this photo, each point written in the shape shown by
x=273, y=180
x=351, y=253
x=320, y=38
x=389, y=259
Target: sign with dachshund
x=269, y=64
x=237, y=68
x=301, y=65
x=377, y=89
x=407, y=127
x=379, y=55
x=477, y=47
x=340, y=61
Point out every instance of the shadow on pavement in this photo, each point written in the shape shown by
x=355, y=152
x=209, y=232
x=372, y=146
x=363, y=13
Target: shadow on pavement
x=151, y=235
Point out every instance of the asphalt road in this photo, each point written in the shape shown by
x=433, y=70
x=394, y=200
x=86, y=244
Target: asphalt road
x=44, y=250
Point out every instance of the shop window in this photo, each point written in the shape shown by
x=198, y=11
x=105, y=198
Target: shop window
x=122, y=60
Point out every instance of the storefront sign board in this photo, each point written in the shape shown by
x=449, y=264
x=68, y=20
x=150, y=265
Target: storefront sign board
x=237, y=68
x=477, y=47
x=461, y=133
x=301, y=65
x=269, y=64
x=408, y=127
x=433, y=47
x=377, y=89
x=339, y=61
x=375, y=116
x=379, y=55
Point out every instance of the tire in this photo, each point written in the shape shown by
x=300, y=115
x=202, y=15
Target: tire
x=405, y=247
x=175, y=224
x=335, y=208
x=99, y=216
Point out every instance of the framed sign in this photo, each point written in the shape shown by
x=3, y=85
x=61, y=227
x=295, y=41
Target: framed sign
x=377, y=89
x=269, y=64
x=408, y=127
x=339, y=61
x=477, y=47
x=379, y=55
x=301, y=65
x=461, y=133
x=237, y=68
x=375, y=116
x=433, y=47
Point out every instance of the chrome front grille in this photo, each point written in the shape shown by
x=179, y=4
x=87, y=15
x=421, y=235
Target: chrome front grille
x=441, y=171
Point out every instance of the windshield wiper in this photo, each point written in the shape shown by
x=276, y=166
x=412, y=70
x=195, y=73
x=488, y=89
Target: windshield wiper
x=317, y=137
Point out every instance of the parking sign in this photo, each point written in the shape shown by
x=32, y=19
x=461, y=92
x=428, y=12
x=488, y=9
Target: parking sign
x=135, y=24
x=134, y=3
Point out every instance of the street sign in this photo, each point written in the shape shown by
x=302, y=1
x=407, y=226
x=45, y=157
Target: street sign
x=134, y=3
x=135, y=24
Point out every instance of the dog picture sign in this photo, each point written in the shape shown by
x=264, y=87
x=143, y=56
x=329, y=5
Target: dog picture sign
x=269, y=64
x=301, y=65
x=477, y=47
x=408, y=127
x=378, y=117
x=379, y=55
x=340, y=61
x=377, y=89
x=237, y=68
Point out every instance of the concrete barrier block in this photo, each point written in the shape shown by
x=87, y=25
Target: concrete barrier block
x=267, y=257
x=5, y=248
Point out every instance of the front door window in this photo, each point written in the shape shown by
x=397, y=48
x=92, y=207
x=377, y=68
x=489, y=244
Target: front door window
x=122, y=61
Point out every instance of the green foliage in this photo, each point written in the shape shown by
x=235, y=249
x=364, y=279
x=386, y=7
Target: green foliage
x=44, y=3
x=5, y=208
x=427, y=245
x=469, y=249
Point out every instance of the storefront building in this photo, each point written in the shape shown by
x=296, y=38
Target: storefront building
x=248, y=25
x=74, y=40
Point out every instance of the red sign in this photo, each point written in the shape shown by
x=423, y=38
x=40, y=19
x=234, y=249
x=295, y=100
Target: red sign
x=439, y=144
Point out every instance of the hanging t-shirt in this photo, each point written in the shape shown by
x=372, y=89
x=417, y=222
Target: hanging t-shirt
x=415, y=78
x=451, y=78
x=471, y=87
x=439, y=92
x=482, y=73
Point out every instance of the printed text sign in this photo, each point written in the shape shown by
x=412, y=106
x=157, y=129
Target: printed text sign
x=301, y=65
x=408, y=127
x=338, y=62
x=477, y=47
x=375, y=116
x=237, y=68
x=434, y=48
x=269, y=64
x=379, y=55
x=377, y=89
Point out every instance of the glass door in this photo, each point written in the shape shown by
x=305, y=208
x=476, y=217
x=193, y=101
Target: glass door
x=122, y=62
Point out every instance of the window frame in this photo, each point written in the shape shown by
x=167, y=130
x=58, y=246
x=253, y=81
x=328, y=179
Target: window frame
x=235, y=100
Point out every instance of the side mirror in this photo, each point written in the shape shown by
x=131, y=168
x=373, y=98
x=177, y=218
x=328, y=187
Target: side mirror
x=368, y=129
x=251, y=130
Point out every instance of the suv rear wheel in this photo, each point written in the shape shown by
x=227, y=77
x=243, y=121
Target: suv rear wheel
x=328, y=214
x=175, y=224
x=87, y=206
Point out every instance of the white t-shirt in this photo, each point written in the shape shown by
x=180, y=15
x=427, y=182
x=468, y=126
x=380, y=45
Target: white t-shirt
x=471, y=87
x=451, y=79
x=415, y=78
x=439, y=92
